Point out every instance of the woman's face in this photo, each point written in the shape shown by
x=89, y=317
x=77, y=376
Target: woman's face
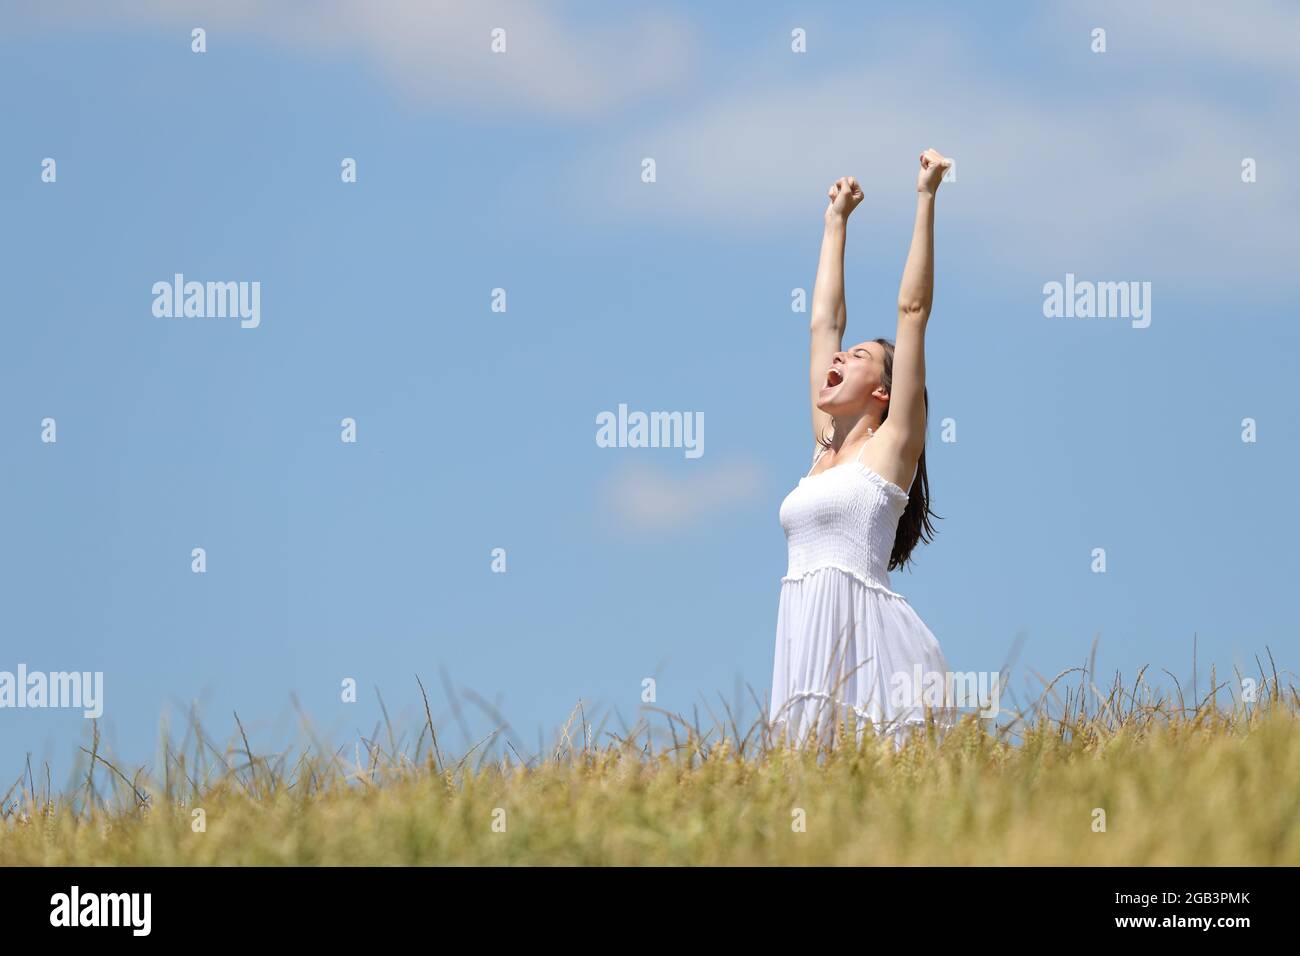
x=853, y=381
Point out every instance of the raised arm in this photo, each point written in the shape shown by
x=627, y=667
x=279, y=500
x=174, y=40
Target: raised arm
x=915, y=293
x=828, y=313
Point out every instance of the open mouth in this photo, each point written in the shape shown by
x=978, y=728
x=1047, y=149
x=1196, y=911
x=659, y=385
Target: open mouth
x=834, y=377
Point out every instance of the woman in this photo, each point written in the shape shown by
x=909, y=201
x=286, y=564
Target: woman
x=846, y=644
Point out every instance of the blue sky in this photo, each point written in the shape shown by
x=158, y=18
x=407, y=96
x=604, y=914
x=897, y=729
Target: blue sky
x=476, y=430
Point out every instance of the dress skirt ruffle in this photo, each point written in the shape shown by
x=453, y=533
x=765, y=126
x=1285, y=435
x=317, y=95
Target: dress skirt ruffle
x=843, y=644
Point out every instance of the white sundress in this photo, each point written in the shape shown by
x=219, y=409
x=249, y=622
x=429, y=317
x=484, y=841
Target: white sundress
x=844, y=639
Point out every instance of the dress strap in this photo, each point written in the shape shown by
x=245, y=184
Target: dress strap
x=815, y=459
x=860, y=451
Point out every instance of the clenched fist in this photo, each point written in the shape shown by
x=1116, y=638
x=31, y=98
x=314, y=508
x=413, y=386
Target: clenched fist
x=844, y=196
x=933, y=166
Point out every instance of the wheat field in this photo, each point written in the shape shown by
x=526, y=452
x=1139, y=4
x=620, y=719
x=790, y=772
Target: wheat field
x=1083, y=778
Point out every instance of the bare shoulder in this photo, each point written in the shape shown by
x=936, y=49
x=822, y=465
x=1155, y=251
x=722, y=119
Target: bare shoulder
x=889, y=453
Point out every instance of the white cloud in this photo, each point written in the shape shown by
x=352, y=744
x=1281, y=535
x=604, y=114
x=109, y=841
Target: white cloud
x=1126, y=162
x=437, y=50
x=644, y=499
x=1139, y=172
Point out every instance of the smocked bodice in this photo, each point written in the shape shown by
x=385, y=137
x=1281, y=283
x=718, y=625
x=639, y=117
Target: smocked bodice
x=845, y=517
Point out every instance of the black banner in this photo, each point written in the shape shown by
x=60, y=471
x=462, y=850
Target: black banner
x=338, y=905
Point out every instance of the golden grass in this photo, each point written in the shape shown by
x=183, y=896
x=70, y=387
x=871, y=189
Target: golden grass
x=1179, y=785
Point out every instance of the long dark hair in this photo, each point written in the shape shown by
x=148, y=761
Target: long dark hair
x=914, y=525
